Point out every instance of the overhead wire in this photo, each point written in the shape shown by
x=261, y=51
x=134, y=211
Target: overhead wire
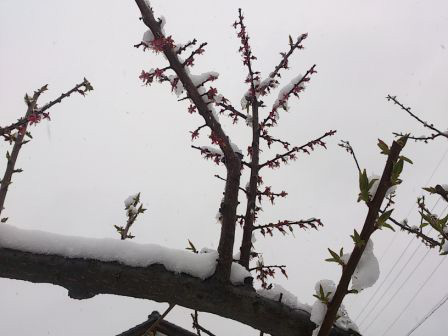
x=414, y=296
x=404, y=282
x=394, y=238
x=388, y=274
x=428, y=315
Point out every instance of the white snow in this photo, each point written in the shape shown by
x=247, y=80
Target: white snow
x=199, y=79
x=284, y=91
x=200, y=265
x=368, y=270
x=132, y=210
x=176, y=85
x=445, y=247
x=128, y=201
x=235, y=148
x=319, y=309
x=373, y=189
x=287, y=297
x=212, y=150
x=328, y=286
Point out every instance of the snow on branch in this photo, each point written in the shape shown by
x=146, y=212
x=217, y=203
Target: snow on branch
x=85, y=277
x=201, y=100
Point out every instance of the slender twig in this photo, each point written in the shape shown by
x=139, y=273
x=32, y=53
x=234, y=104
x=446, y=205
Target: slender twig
x=317, y=141
x=346, y=145
x=223, y=179
x=18, y=142
x=198, y=327
x=428, y=240
x=424, y=123
x=81, y=88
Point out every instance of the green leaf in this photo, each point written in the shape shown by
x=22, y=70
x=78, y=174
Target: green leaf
x=396, y=171
x=357, y=239
x=388, y=226
x=363, y=187
x=383, y=218
x=383, y=146
x=406, y=159
x=431, y=190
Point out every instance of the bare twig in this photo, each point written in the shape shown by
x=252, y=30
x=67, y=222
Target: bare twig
x=275, y=162
x=81, y=88
x=424, y=123
x=198, y=327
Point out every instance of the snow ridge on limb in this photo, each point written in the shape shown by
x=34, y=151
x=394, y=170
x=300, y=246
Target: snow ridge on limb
x=85, y=278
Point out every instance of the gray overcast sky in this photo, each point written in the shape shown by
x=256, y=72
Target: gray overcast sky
x=124, y=138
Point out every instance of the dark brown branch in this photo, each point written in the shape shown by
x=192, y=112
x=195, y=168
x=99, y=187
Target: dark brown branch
x=367, y=230
x=346, y=145
x=18, y=142
x=181, y=49
x=233, y=162
x=81, y=88
x=426, y=239
x=282, y=224
x=285, y=56
x=424, y=123
x=233, y=110
x=294, y=90
x=85, y=278
x=223, y=179
x=198, y=327
x=302, y=148
x=418, y=138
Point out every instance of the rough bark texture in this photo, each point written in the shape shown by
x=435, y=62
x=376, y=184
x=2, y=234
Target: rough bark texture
x=85, y=278
x=367, y=230
x=233, y=162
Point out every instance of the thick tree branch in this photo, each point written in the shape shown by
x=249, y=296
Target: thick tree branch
x=233, y=162
x=85, y=278
x=368, y=228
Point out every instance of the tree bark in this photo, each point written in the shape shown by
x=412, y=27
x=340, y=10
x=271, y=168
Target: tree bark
x=85, y=278
x=367, y=230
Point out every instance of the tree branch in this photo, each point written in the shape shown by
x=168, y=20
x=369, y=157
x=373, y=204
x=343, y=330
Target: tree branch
x=233, y=162
x=85, y=278
x=424, y=123
x=367, y=230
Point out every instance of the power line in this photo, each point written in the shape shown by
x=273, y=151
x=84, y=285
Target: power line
x=393, y=239
x=389, y=273
x=414, y=296
x=428, y=315
x=389, y=287
x=403, y=283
